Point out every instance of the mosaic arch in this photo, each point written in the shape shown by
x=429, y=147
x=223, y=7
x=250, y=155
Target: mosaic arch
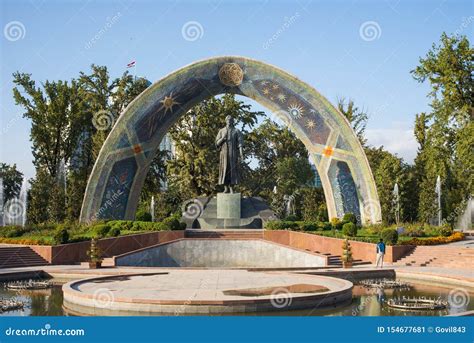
x=119, y=172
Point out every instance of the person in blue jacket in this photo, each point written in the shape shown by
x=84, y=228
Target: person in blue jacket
x=380, y=253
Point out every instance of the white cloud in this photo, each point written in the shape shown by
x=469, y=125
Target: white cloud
x=400, y=141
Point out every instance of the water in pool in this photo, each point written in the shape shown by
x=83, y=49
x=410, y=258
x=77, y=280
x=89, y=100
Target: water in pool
x=365, y=302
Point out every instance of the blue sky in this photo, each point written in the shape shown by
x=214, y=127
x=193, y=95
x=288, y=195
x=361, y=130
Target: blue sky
x=362, y=50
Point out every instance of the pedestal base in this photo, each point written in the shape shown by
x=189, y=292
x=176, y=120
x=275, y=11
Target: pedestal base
x=228, y=205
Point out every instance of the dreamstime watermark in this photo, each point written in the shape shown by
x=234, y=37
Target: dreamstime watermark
x=109, y=22
x=182, y=309
x=47, y=330
x=465, y=23
x=14, y=30
x=281, y=298
x=108, y=203
x=372, y=210
x=459, y=298
x=192, y=209
x=370, y=31
x=103, y=298
x=192, y=31
x=10, y=124
x=14, y=209
x=103, y=120
x=287, y=22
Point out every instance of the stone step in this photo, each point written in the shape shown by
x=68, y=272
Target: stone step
x=20, y=257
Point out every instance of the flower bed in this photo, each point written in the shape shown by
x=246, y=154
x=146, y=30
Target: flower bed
x=455, y=237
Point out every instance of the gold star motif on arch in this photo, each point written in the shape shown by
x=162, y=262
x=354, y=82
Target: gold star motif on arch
x=310, y=124
x=168, y=102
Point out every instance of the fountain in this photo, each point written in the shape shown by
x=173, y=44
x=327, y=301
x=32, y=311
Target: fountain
x=152, y=208
x=14, y=210
x=23, y=200
x=396, y=203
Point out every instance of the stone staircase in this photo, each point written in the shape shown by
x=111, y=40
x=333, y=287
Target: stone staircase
x=224, y=234
x=16, y=256
x=439, y=256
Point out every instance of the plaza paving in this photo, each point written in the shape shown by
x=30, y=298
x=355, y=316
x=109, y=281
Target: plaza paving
x=205, y=291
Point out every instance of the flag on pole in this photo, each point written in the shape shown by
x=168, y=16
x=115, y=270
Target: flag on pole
x=131, y=64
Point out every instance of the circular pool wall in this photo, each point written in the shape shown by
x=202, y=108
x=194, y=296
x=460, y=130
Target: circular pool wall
x=181, y=292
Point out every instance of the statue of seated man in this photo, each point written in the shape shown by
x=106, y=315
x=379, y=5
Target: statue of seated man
x=229, y=140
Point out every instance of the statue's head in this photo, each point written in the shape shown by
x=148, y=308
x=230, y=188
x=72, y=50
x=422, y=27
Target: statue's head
x=229, y=121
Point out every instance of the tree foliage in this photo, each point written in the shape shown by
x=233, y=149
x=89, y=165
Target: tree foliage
x=12, y=180
x=445, y=135
x=358, y=118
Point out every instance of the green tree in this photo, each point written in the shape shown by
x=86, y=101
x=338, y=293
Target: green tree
x=446, y=133
x=56, y=112
x=358, y=118
x=275, y=150
x=194, y=167
x=389, y=169
x=12, y=179
x=107, y=98
x=38, y=197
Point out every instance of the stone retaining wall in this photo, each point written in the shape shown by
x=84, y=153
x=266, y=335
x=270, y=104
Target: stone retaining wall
x=315, y=243
x=77, y=252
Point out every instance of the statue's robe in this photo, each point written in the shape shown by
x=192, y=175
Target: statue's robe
x=229, y=144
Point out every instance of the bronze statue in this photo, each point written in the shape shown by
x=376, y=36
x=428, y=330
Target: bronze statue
x=229, y=141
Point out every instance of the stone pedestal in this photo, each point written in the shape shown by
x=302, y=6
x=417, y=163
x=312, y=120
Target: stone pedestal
x=228, y=205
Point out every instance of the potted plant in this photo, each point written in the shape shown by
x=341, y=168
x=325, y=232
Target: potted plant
x=346, y=254
x=95, y=255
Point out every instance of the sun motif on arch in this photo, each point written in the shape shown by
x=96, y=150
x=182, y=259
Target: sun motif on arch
x=296, y=110
x=266, y=91
x=168, y=102
x=310, y=124
x=281, y=97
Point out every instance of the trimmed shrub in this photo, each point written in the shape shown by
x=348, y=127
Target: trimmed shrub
x=309, y=226
x=121, y=224
x=101, y=230
x=445, y=231
x=389, y=236
x=349, y=229
x=61, y=236
x=280, y=225
x=143, y=216
x=414, y=232
x=349, y=218
x=171, y=223
x=13, y=231
x=336, y=224
x=325, y=226
x=114, y=232
x=291, y=218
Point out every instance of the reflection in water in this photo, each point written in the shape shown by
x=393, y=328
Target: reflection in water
x=366, y=302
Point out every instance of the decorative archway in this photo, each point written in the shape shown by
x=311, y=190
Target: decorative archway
x=118, y=175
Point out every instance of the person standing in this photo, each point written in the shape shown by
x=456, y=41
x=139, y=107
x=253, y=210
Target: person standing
x=380, y=253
